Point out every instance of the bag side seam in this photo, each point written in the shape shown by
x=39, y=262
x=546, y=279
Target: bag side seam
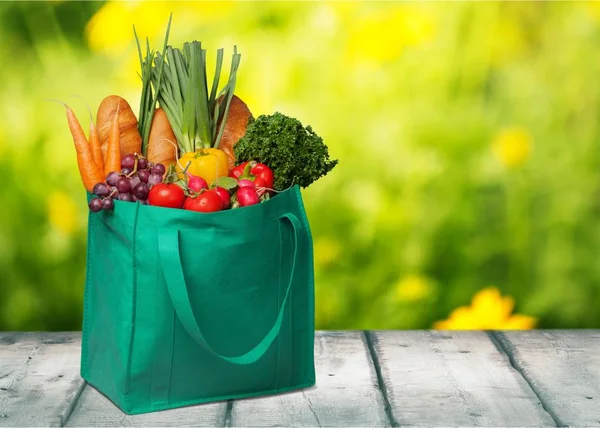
x=311, y=337
x=86, y=299
x=133, y=308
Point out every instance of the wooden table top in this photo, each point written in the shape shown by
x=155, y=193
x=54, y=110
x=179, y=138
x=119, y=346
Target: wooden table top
x=386, y=378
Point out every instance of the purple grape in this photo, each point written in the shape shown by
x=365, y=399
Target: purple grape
x=134, y=181
x=95, y=205
x=123, y=185
x=126, y=171
x=126, y=197
x=143, y=174
x=141, y=191
x=159, y=168
x=142, y=163
x=111, y=178
x=143, y=202
x=114, y=194
x=134, y=198
x=107, y=204
x=101, y=189
x=150, y=165
x=128, y=161
x=154, y=179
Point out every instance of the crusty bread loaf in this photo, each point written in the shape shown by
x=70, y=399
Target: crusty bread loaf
x=235, y=127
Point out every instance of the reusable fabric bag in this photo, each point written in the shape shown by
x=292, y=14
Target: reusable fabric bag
x=182, y=307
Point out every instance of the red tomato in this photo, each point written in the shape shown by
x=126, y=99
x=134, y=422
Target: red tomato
x=238, y=170
x=260, y=170
x=166, y=195
x=225, y=196
x=206, y=202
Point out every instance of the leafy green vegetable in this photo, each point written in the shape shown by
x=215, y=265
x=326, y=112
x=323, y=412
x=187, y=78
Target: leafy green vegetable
x=195, y=114
x=148, y=99
x=295, y=154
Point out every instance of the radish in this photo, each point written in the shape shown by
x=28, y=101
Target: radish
x=245, y=183
x=225, y=196
x=247, y=196
x=196, y=183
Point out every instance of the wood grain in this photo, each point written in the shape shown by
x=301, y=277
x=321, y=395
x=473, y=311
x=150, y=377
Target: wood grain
x=346, y=393
x=450, y=378
x=563, y=367
x=39, y=378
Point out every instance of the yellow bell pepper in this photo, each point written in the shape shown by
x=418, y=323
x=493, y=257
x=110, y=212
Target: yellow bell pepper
x=207, y=163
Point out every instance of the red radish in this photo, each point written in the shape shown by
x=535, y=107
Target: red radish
x=207, y=202
x=166, y=195
x=225, y=196
x=196, y=183
x=247, y=196
x=245, y=183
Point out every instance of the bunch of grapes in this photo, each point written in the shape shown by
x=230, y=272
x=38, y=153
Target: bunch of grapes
x=131, y=184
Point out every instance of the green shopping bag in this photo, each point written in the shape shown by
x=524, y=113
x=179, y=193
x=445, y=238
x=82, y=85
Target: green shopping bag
x=183, y=308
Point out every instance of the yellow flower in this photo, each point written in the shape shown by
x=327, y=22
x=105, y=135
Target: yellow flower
x=488, y=311
x=62, y=212
x=593, y=8
x=382, y=36
x=412, y=288
x=326, y=251
x=512, y=146
x=110, y=29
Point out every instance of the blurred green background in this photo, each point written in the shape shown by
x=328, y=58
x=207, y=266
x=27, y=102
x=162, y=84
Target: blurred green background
x=468, y=136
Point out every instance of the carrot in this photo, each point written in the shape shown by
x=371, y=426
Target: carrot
x=89, y=171
x=113, y=148
x=94, y=141
x=95, y=145
x=162, y=144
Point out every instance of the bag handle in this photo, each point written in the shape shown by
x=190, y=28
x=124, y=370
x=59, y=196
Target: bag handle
x=168, y=249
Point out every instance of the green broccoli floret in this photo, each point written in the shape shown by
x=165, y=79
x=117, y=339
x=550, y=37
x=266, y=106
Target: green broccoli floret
x=295, y=154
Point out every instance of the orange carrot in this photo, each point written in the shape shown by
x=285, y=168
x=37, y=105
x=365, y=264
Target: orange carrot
x=113, y=149
x=94, y=140
x=90, y=173
x=95, y=145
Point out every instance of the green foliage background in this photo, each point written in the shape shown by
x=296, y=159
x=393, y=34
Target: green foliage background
x=409, y=96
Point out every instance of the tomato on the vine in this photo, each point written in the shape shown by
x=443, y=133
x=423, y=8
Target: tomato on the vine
x=166, y=195
x=207, y=202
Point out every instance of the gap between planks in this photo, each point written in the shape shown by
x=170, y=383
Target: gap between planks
x=66, y=415
x=370, y=339
x=505, y=347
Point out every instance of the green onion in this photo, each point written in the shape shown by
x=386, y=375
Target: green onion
x=148, y=99
x=195, y=114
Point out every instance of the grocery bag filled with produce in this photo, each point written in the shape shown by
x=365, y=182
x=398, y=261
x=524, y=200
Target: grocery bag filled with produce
x=199, y=278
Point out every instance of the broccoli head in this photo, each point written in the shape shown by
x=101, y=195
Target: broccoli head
x=295, y=153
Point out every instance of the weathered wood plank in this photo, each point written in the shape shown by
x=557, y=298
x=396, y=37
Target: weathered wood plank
x=563, y=367
x=454, y=378
x=39, y=378
x=346, y=393
x=94, y=409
